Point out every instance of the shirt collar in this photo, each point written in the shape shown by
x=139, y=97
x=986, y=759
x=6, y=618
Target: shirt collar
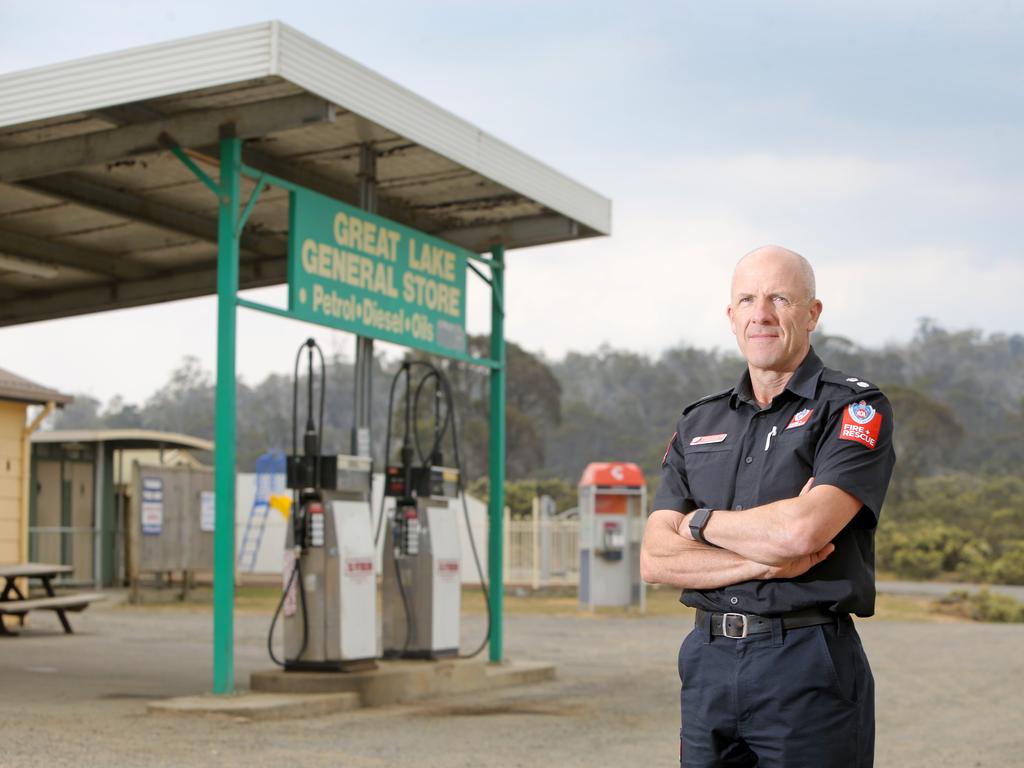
x=803, y=383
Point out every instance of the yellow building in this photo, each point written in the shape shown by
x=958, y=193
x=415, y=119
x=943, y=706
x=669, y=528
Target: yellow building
x=16, y=395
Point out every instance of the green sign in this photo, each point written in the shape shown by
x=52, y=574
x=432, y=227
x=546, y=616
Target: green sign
x=362, y=273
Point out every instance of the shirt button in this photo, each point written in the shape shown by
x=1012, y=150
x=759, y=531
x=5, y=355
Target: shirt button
x=749, y=459
x=734, y=600
x=738, y=506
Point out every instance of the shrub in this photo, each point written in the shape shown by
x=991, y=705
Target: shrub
x=919, y=550
x=991, y=606
x=1009, y=567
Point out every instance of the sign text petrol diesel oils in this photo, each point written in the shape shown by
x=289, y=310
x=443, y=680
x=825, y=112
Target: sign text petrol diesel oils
x=352, y=270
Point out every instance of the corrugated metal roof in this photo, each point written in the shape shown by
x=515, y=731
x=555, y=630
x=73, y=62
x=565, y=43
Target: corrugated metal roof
x=96, y=214
x=21, y=390
x=148, y=438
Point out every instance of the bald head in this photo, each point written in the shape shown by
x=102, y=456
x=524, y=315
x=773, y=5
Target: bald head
x=773, y=309
x=778, y=258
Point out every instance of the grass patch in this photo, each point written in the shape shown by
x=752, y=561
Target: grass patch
x=911, y=608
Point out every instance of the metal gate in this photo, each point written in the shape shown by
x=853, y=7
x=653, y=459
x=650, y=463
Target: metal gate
x=62, y=514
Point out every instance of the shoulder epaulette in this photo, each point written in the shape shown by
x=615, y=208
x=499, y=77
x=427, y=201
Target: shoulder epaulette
x=841, y=379
x=708, y=399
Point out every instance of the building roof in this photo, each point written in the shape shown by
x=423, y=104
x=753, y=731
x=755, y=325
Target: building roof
x=124, y=438
x=21, y=390
x=96, y=213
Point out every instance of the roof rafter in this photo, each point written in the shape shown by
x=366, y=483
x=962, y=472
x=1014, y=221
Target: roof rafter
x=69, y=255
x=134, y=206
x=339, y=189
x=524, y=233
x=27, y=307
x=188, y=129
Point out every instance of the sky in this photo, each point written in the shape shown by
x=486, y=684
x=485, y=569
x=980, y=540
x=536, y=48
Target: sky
x=881, y=140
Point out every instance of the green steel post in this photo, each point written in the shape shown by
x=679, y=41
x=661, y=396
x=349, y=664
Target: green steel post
x=224, y=438
x=497, y=453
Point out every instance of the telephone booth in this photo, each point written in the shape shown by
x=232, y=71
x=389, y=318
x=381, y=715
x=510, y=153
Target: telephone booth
x=612, y=504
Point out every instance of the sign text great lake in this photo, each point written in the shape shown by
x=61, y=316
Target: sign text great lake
x=352, y=270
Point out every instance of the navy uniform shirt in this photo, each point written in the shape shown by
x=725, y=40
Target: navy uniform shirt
x=728, y=454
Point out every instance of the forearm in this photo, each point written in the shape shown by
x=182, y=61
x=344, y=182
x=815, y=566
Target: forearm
x=765, y=534
x=667, y=556
x=777, y=533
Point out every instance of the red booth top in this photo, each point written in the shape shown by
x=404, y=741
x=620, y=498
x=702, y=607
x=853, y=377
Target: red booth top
x=612, y=473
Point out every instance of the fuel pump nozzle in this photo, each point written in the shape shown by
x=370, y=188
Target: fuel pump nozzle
x=406, y=532
x=311, y=438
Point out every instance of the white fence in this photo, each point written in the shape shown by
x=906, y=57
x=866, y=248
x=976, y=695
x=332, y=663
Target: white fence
x=542, y=552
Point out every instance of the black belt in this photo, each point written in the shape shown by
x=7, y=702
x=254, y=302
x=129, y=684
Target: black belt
x=737, y=625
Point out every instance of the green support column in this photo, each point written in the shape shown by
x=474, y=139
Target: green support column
x=495, y=553
x=224, y=438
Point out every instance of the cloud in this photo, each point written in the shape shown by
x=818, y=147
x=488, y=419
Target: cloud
x=883, y=295
x=883, y=256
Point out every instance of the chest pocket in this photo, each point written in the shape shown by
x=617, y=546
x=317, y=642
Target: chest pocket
x=710, y=470
x=787, y=464
x=797, y=443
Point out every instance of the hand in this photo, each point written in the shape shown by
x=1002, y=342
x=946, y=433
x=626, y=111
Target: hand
x=800, y=565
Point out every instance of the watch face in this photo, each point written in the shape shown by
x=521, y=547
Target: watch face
x=697, y=523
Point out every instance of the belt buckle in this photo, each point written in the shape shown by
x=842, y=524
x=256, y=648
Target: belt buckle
x=725, y=625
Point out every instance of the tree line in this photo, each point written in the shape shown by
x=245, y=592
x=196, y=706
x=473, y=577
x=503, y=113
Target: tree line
x=955, y=506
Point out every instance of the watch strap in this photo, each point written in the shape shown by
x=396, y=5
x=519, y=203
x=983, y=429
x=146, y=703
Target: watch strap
x=698, y=522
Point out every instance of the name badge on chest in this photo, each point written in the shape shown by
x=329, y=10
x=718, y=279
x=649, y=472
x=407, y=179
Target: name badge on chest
x=708, y=439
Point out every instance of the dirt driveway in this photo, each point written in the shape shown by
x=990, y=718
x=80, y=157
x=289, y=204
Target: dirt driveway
x=949, y=694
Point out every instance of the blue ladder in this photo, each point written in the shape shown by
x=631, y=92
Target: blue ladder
x=270, y=480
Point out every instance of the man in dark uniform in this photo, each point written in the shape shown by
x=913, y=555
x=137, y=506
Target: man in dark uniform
x=765, y=517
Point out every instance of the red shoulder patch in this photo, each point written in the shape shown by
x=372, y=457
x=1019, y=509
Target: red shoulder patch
x=664, y=459
x=861, y=424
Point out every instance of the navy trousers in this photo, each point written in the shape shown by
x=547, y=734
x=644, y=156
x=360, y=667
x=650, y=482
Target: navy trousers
x=798, y=698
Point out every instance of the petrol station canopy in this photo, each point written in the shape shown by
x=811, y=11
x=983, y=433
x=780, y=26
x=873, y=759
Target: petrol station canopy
x=97, y=213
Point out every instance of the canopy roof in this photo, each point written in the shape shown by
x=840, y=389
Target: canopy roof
x=97, y=214
x=124, y=438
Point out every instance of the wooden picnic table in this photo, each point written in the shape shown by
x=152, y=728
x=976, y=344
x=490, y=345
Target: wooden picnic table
x=13, y=601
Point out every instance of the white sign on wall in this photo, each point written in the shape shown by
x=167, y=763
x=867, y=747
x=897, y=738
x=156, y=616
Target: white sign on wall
x=207, y=511
x=152, y=509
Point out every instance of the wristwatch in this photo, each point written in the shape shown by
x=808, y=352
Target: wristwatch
x=698, y=522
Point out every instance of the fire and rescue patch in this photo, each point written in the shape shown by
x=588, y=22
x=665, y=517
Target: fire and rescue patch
x=800, y=418
x=861, y=424
x=706, y=439
x=664, y=459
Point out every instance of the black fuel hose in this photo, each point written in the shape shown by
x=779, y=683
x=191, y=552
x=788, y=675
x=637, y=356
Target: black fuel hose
x=296, y=572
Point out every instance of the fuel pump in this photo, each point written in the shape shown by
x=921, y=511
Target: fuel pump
x=422, y=587
x=329, y=596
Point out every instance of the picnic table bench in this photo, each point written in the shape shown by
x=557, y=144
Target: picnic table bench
x=15, y=603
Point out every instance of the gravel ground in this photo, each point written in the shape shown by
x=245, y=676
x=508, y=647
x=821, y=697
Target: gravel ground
x=948, y=693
